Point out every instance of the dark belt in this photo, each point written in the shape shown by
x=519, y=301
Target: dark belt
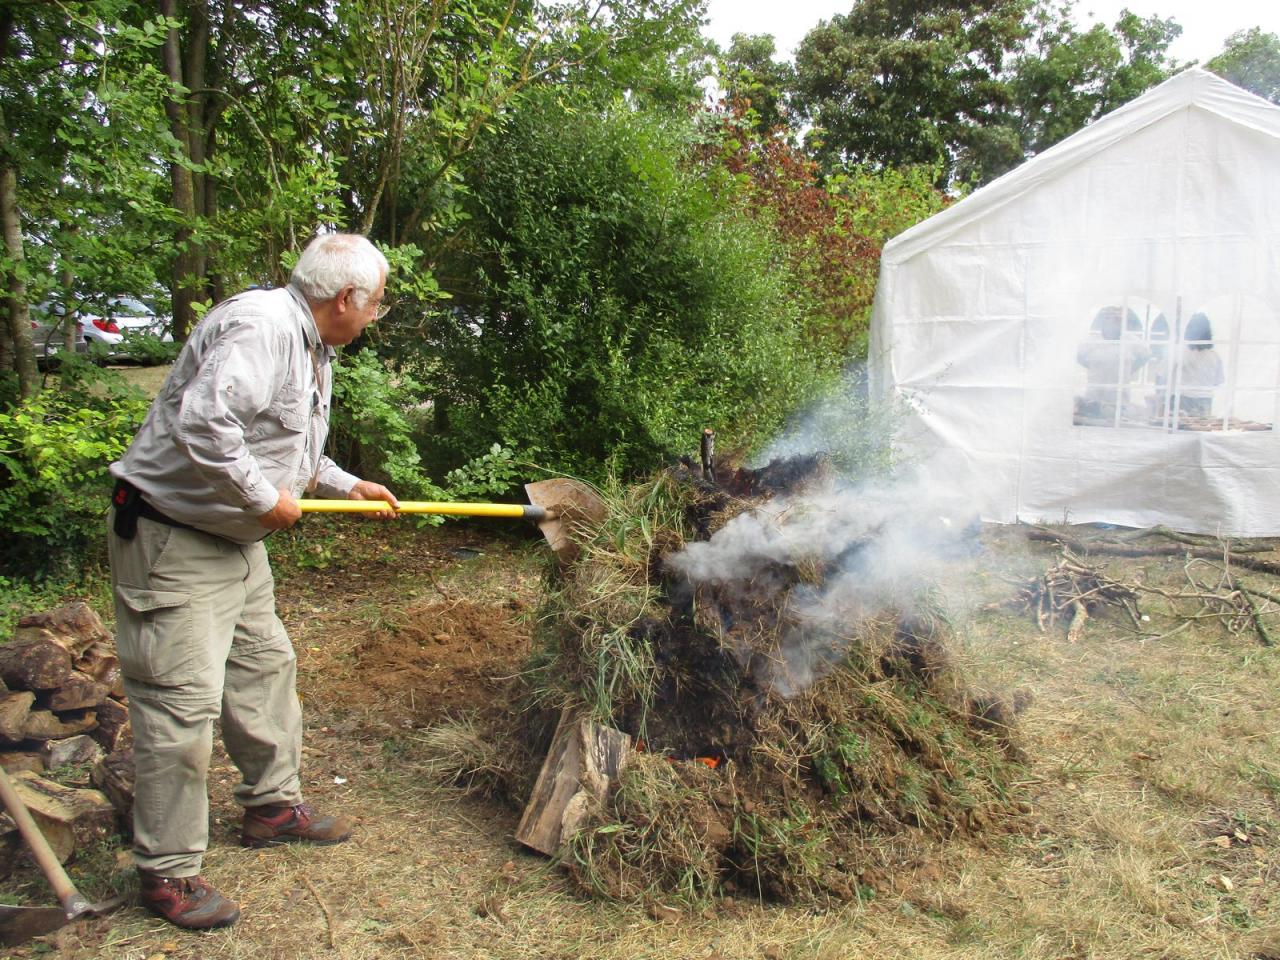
x=130, y=505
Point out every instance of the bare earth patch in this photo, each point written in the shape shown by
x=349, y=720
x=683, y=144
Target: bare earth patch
x=1151, y=829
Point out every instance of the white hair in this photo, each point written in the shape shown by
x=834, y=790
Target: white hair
x=336, y=260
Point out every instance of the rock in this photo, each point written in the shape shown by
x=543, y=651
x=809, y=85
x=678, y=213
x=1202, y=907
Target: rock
x=113, y=731
x=14, y=710
x=74, y=625
x=70, y=750
x=45, y=725
x=34, y=663
x=78, y=691
x=100, y=662
x=114, y=776
x=20, y=760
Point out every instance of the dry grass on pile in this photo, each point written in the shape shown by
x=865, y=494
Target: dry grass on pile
x=815, y=793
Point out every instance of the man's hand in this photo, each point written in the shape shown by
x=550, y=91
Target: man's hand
x=284, y=514
x=367, y=490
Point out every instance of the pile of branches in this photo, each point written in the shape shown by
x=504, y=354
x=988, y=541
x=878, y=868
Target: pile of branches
x=775, y=754
x=1070, y=592
x=1077, y=586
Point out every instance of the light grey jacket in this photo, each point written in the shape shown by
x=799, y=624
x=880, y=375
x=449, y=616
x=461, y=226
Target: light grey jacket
x=243, y=413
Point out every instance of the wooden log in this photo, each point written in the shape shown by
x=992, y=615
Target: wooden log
x=74, y=625
x=46, y=725
x=77, y=692
x=114, y=776
x=101, y=663
x=14, y=709
x=39, y=663
x=80, y=749
x=113, y=731
x=583, y=759
x=17, y=760
x=72, y=819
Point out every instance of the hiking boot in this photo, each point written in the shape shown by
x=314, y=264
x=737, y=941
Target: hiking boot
x=270, y=825
x=187, y=902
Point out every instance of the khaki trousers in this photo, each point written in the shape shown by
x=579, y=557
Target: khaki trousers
x=198, y=638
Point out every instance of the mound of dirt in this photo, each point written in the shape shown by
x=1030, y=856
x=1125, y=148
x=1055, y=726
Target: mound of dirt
x=439, y=660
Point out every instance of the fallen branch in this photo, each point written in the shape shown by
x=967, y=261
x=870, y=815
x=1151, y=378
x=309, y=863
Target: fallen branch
x=328, y=916
x=1077, y=545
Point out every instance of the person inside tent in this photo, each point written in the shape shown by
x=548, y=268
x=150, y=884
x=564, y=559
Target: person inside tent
x=1200, y=369
x=1110, y=363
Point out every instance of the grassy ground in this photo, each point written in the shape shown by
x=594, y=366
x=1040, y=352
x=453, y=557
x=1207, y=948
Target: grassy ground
x=1152, y=826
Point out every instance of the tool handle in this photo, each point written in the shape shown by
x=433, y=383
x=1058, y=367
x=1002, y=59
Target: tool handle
x=72, y=902
x=520, y=510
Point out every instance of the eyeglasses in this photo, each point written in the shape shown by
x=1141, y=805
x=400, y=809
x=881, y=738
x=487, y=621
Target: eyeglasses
x=383, y=310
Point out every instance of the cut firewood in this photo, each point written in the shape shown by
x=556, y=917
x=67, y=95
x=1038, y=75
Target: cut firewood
x=77, y=692
x=71, y=819
x=73, y=625
x=583, y=759
x=37, y=663
x=79, y=749
x=113, y=775
x=113, y=731
x=14, y=709
x=46, y=725
x=100, y=662
x=18, y=760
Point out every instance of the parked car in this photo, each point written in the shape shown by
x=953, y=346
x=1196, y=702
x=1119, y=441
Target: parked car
x=121, y=317
x=132, y=314
x=49, y=332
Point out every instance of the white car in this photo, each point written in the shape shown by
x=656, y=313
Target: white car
x=123, y=315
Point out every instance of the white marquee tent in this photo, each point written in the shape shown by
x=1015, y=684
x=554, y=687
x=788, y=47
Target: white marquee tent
x=1095, y=336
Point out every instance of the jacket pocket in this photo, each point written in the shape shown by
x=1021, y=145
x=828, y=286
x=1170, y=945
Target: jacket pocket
x=156, y=638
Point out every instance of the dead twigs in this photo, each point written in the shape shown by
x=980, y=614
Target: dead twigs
x=1204, y=552
x=1073, y=590
x=328, y=916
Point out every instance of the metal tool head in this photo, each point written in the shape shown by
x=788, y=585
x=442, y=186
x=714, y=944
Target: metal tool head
x=20, y=924
x=568, y=503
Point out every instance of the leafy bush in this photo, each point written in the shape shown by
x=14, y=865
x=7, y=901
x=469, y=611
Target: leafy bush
x=372, y=435
x=54, y=452
x=147, y=348
x=612, y=302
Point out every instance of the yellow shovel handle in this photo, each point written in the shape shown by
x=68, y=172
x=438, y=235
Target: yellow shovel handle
x=426, y=506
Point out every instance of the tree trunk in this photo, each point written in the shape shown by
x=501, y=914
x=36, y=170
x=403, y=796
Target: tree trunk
x=24, y=358
x=186, y=280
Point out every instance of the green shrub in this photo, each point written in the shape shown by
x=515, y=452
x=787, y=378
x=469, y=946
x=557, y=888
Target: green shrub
x=54, y=452
x=372, y=435
x=613, y=301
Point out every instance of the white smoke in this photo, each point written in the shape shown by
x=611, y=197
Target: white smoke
x=879, y=545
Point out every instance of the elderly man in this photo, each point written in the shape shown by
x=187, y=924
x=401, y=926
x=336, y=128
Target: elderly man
x=234, y=438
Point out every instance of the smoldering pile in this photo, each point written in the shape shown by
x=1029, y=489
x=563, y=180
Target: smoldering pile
x=771, y=646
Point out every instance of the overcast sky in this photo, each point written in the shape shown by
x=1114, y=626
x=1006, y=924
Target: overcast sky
x=1205, y=23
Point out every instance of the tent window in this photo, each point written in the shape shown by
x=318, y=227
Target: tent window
x=1215, y=368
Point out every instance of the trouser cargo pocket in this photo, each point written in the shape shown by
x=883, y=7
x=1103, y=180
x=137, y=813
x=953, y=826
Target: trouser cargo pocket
x=156, y=638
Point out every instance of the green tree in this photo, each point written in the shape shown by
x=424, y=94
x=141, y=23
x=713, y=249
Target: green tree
x=1063, y=78
x=1251, y=59
x=750, y=75
x=908, y=82
x=971, y=88
x=611, y=300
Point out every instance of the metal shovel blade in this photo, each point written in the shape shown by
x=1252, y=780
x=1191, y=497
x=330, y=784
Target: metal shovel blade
x=566, y=501
x=20, y=924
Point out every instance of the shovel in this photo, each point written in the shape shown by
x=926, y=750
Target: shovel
x=20, y=924
x=552, y=502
